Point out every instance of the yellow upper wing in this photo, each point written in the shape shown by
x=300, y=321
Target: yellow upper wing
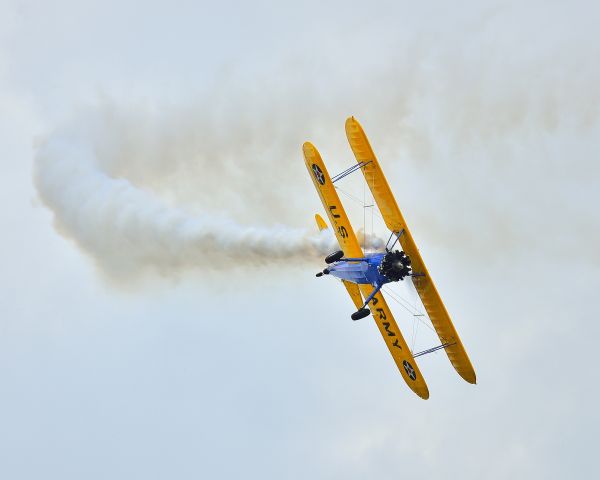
x=349, y=244
x=395, y=222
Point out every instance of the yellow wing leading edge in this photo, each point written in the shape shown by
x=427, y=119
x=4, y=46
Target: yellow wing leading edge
x=395, y=222
x=349, y=244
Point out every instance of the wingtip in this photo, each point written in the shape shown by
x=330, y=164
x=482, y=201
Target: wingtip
x=421, y=389
x=352, y=126
x=309, y=150
x=423, y=393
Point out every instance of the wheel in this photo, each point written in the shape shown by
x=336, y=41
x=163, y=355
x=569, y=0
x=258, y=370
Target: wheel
x=334, y=257
x=362, y=313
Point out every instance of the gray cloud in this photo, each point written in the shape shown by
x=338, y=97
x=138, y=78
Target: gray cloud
x=486, y=122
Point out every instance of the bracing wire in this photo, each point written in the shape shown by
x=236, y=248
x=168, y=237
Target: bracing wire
x=372, y=215
x=410, y=307
x=372, y=208
x=364, y=218
x=415, y=332
x=415, y=313
x=355, y=199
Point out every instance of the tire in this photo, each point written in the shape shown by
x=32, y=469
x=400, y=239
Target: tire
x=362, y=313
x=334, y=257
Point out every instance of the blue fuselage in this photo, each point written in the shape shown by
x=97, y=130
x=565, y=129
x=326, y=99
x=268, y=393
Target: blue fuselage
x=363, y=271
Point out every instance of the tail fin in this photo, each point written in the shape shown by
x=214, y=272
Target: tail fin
x=320, y=222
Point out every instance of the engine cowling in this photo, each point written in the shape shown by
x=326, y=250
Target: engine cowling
x=395, y=266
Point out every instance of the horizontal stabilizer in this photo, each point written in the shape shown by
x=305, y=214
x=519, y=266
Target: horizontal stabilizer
x=320, y=222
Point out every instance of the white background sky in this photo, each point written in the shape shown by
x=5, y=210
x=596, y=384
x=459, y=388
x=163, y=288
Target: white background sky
x=485, y=116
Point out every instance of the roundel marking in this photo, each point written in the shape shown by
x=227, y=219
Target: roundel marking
x=410, y=371
x=318, y=173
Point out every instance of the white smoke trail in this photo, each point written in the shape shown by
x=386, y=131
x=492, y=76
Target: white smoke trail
x=116, y=183
x=128, y=229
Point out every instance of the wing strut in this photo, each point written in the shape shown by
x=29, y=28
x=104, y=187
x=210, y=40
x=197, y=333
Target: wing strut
x=397, y=238
x=434, y=349
x=348, y=171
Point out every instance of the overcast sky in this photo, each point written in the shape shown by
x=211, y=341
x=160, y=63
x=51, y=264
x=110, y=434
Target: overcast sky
x=116, y=364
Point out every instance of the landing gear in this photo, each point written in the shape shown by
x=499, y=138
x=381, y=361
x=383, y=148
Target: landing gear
x=334, y=257
x=361, y=313
x=364, y=311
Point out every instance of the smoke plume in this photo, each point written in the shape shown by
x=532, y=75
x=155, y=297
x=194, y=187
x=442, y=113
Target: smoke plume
x=223, y=183
x=115, y=187
x=127, y=228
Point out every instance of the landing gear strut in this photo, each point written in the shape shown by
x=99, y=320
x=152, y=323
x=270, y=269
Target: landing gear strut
x=364, y=311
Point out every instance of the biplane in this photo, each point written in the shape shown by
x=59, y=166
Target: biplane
x=364, y=275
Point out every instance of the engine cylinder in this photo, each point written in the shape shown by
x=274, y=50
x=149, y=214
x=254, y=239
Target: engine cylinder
x=395, y=266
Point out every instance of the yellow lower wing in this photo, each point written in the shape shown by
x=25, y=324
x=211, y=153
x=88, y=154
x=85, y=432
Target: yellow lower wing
x=354, y=292
x=396, y=343
x=395, y=222
x=331, y=202
x=351, y=288
x=351, y=248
